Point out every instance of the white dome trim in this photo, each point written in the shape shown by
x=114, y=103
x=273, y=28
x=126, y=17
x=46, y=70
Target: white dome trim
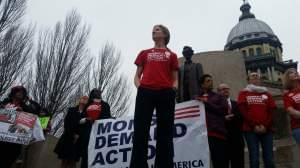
x=249, y=26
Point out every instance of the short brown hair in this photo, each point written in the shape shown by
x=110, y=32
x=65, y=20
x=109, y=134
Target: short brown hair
x=166, y=31
x=203, y=77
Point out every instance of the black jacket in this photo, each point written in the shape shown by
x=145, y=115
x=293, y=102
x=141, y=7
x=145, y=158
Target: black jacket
x=85, y=129
x=234, y=126
x=66, y=148
x=71, y=122
x=15, y=149
x=28, y=106
x=215, y=108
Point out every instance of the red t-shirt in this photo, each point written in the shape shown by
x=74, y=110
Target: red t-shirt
x=158, y=65
x=256, y=109
x=94, y=110
x=292, y=99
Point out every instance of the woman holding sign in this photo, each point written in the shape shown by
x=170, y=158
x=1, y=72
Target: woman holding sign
x=95, y=109
x=156, y=80
x=67, y=146
x=17, y=99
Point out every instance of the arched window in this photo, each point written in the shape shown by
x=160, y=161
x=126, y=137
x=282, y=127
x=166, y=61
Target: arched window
x=272, y=52
x=244, y=53
x=258, y=51
x=251, y=52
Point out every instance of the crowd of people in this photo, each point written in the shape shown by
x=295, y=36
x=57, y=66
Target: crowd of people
x=229, y=123
x=160, y=81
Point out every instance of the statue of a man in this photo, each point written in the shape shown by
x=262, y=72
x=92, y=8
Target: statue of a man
x=189, y=76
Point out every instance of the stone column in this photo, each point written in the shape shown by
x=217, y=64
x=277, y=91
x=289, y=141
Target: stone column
x=259, y=71
x=274, y=74
x=269, y=73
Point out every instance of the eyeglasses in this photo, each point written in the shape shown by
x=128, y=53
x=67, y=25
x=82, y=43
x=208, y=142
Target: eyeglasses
x=254, y=75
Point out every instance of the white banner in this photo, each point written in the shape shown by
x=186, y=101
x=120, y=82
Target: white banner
x=111, y=140
x=19, y=127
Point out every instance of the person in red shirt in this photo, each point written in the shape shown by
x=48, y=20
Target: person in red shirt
x=292, y=100
x=257, y=105
x=156, y=79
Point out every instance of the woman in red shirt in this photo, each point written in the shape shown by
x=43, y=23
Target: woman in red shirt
x=292, y=100
x=156, y=79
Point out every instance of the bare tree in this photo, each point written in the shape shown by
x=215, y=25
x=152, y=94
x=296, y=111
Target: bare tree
x=82, y=89
x=62, y=60
x=11, y=13
x=105, y=74
x=111, y=81
x=15, y=42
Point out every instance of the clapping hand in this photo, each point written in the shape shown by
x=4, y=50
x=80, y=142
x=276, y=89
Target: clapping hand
x=229, y=117
x=260, y=129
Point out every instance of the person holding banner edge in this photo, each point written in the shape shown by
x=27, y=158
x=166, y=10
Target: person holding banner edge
x=96, y=109
x=156, y=78
x=216, y=108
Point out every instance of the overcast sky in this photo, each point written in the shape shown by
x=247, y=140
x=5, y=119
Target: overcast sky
x=202, y=24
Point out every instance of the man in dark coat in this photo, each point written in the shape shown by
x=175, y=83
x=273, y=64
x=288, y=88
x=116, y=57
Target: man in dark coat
x=67, y=148
x=235, y=141
x=189, y=76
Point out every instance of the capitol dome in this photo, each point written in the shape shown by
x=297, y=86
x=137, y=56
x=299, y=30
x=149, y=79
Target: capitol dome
x=249, y=29
x=259, y=46
x=249, y=26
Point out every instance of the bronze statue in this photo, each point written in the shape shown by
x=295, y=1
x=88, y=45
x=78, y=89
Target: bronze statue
x=189, y=76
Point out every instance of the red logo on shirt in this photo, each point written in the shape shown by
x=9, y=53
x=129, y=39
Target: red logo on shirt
x=291, y=94
x=296, y=98
x=256, y=99
x=158, y=56
x=168, y=54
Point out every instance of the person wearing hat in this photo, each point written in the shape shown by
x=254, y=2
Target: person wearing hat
x=189, y=76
